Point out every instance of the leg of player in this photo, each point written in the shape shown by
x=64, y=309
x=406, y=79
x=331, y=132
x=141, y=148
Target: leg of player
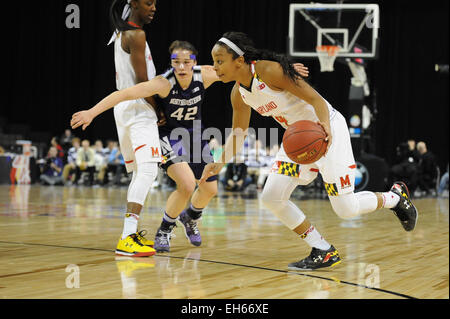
x=132, y=242
x=397, y=199
x=189, y=217
x=182, y=175
x=275, y=197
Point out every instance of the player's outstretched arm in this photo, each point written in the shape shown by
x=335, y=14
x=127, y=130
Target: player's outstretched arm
x=158, y=85
x=235, y=142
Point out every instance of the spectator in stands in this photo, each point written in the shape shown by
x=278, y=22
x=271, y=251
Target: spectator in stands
x=267, y=162
x=116, y=164
x=255, y=160
x=413, y=152
x=406, y=167
x=111, y=147
x=66, y=140
x=101, y=161
x=427, y=170
x=71, y=165
x=2, y=151
x=443, y=184
x=51, y=171
x=55, y=143
x=85, y=162
x=236, y=177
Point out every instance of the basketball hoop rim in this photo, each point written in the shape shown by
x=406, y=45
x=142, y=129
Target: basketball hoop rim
x=331, y=50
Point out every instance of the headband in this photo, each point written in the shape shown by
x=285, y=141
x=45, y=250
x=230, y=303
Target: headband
x=192, y=56
x=232, y=46
x=125, y=14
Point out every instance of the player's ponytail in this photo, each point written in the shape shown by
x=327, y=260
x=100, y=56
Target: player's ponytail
x=116, y=14
x=246, y=45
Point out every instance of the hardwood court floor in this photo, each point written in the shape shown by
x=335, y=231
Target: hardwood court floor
x=58, y=242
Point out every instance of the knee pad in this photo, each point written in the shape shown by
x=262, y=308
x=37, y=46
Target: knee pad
x=275, y=197
x=141, y=182
x=346, y=206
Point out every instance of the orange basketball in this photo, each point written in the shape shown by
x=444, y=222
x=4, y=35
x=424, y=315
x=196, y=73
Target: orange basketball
x=304, y=142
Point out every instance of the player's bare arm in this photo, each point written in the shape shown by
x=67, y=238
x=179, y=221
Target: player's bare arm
x=272, y=74
x=235, y=142
x=135, y=42
x=158, y=85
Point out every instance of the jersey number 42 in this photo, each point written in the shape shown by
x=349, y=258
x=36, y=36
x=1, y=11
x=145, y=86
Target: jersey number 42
x=183, y=114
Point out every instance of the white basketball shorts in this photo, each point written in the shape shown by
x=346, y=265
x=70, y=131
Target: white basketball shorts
x=337, y=167
x=137, y=129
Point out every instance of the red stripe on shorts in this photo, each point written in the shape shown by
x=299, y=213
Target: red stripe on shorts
x=314, y=170
x=352, y=166
x=129, y=162
x=139, y=147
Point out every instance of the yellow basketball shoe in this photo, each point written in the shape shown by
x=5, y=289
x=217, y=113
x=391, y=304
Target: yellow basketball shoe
x=132, y=247
x=142, y=239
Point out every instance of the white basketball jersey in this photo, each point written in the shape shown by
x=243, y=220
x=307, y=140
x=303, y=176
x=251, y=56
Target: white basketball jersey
x=125, y=75
x=283, y=106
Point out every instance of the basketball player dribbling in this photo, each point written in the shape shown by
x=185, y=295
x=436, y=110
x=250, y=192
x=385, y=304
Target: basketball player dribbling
x=264, y=78
x=181, y=90
x=136, y=120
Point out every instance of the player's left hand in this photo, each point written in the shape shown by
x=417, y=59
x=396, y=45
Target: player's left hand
x=329, y=137
x=83, y=118
x=161, y=118
x=301, y=69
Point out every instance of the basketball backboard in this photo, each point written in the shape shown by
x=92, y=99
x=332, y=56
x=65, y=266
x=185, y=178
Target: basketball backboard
x=353, y=27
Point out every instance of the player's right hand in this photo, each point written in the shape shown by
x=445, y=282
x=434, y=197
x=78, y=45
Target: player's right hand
x=210, y=169
x=83, y=118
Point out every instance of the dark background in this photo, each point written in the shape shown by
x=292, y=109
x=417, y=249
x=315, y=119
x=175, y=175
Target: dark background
x=51, y=71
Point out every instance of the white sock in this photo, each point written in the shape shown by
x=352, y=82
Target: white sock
x=314, y=239
x=130, y=224
x=390, y=199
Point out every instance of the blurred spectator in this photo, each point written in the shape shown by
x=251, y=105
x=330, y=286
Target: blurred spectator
x=85, y=162
x=116, y=165
x=443, y=184
x=110, y=145
x=71, y=165
x=101, y=160
x=52, y=169
x=236, y=177
x=255, y=160
x=2, y=151
x=266, y=167
x=216, y=149
x=55, y=143
x=427, y=170
x=413, y=152
x=406, y=167
x=66, y=140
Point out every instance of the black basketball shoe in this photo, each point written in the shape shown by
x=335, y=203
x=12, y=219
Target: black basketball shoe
x=405, y=211
x=318, y=259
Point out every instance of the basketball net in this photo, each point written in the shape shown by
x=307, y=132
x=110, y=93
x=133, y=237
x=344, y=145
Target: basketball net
x=327, y=55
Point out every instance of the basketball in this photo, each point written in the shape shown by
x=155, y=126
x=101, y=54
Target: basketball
x=304, y=142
